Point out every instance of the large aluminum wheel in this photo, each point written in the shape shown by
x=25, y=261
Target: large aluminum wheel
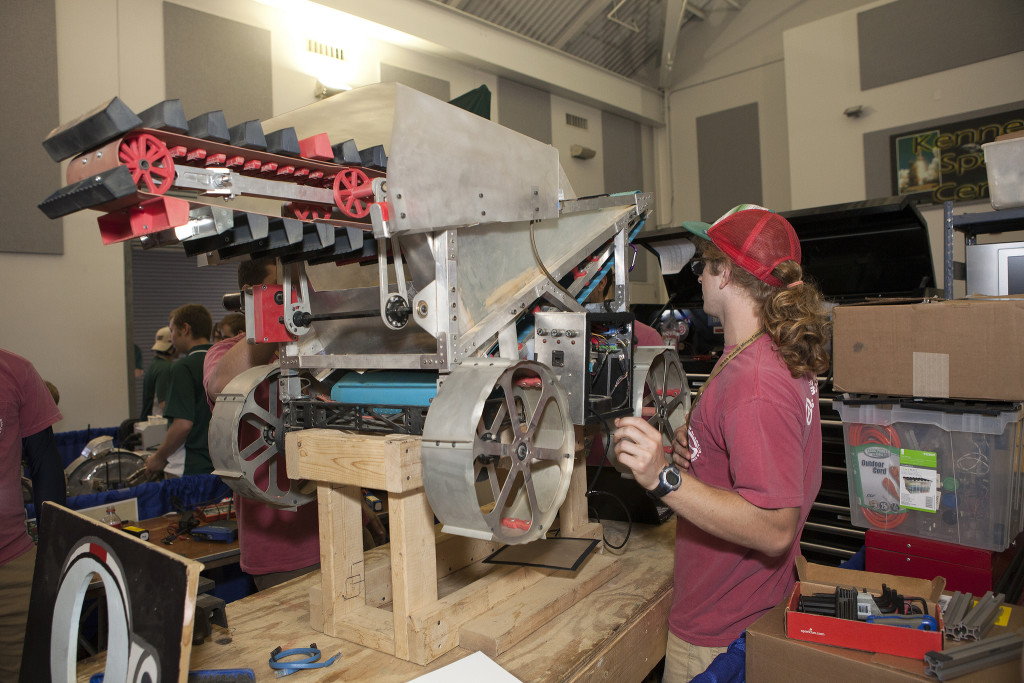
x=498, y=450
x=661, y=394
x=247, y=441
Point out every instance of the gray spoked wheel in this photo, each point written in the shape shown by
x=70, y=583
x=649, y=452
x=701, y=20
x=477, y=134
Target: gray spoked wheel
x=663, y=396
x=498, y=450
x=247, y=441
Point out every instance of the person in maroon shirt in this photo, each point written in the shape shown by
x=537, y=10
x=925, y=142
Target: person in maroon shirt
x=27, y=416
x=747, y=466
x=275, y=545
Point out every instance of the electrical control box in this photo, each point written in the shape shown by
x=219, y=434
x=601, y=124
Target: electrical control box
x=592, y=355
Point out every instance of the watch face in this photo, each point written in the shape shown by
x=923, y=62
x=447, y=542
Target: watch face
x=672, y=477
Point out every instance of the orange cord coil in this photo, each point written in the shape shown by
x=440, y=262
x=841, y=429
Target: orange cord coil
x=880, y=435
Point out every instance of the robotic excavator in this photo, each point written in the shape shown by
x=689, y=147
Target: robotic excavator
x=482, y=251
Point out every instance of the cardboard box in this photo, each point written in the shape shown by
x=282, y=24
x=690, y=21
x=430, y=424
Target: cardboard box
x=772, y=656
x=860, y=635
x=966, y=349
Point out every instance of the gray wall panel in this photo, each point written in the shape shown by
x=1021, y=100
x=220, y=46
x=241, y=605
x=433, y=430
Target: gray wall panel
x=729, y=160
x=435, y=87
x=913, y=38
x=622, y=152
x=163, y=279
x=214, y=63
x=878, y=151
x=28, y=110
x=524, y=109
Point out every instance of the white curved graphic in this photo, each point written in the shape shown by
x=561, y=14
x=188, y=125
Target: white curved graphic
x=129, y=657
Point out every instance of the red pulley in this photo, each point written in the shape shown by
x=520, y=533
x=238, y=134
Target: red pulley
x=353, y=192
x=308, y=212
x=149, y=160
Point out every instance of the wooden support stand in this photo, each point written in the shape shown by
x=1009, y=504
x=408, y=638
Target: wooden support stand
x=488, y=608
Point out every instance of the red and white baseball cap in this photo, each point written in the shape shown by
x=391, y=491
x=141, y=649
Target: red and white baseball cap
x=755, y=238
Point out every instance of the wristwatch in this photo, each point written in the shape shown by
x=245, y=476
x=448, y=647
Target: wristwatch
x=668, y=480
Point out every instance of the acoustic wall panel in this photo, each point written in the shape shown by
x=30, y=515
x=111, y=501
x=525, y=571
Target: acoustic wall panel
x=163, y=279
x=524, y=109
x=214, y=63
x=28, y=110
x=728, y=161
x=913, y=38
x=622, y=154
x=435, y=87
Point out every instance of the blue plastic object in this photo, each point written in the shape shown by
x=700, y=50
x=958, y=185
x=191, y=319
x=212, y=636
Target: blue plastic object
x=386, y=388
x=922, y=622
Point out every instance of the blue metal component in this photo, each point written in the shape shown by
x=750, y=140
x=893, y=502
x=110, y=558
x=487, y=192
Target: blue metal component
x=386, y=388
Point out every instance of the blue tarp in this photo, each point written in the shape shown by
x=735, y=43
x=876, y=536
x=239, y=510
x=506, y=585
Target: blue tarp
x=155, y=497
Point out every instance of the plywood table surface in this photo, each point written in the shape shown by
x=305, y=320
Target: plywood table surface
x=616, y=633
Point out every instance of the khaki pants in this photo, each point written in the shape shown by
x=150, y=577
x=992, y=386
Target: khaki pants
x=15, y=592
x=683, y=661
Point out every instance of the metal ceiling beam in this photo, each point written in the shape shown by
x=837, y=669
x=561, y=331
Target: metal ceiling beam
x=572, y=29
x=433, y=27
x=674, y=13
x=696, y=11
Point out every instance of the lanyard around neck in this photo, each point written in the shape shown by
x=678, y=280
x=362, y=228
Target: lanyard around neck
x=717, y=369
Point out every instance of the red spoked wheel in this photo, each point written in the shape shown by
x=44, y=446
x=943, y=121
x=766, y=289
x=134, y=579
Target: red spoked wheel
x=149, y=160
x=353, y=192
x=308, y=212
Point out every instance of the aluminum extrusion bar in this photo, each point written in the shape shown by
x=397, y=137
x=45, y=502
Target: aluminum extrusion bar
x=980, y=619
x=227, y=183
x=959, y=661
x=955, y=611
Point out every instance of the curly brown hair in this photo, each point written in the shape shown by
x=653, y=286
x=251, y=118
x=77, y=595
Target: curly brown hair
x=796, y=318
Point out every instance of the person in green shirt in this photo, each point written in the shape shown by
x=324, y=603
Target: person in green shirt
x=158, y=375
x=186, y=408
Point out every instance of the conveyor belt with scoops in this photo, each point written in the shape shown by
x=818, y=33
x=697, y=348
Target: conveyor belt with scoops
x=144, y=170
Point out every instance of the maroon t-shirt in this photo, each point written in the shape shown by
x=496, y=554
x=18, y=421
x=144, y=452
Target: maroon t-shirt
x=269, y=540
x=26, y=407
x=755, y=431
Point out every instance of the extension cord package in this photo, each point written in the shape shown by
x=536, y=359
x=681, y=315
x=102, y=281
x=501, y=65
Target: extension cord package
x=949, y=472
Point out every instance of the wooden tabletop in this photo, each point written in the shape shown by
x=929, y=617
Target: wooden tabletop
x=617, y=633
x=211, y=553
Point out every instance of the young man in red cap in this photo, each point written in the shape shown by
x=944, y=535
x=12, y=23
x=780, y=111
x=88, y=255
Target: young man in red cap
x=747, y=466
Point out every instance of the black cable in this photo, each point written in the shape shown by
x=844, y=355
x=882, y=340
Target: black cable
x=657, y=316
x=594, y=492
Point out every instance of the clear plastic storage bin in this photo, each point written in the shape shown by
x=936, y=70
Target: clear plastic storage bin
x=1004, y=165
x=951, y=473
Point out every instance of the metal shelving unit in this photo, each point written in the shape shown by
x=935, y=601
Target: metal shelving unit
x=971, y=225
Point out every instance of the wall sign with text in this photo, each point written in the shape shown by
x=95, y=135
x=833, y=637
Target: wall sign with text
x=946, y=162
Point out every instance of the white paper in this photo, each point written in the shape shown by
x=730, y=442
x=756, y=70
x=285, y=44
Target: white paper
x=472, y=669
x=674, y=254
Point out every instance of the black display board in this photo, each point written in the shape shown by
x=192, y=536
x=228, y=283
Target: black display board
x=149, y=592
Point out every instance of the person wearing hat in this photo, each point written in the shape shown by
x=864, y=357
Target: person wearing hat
x=158, y=375
x=747, y=465
x=185, y=448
